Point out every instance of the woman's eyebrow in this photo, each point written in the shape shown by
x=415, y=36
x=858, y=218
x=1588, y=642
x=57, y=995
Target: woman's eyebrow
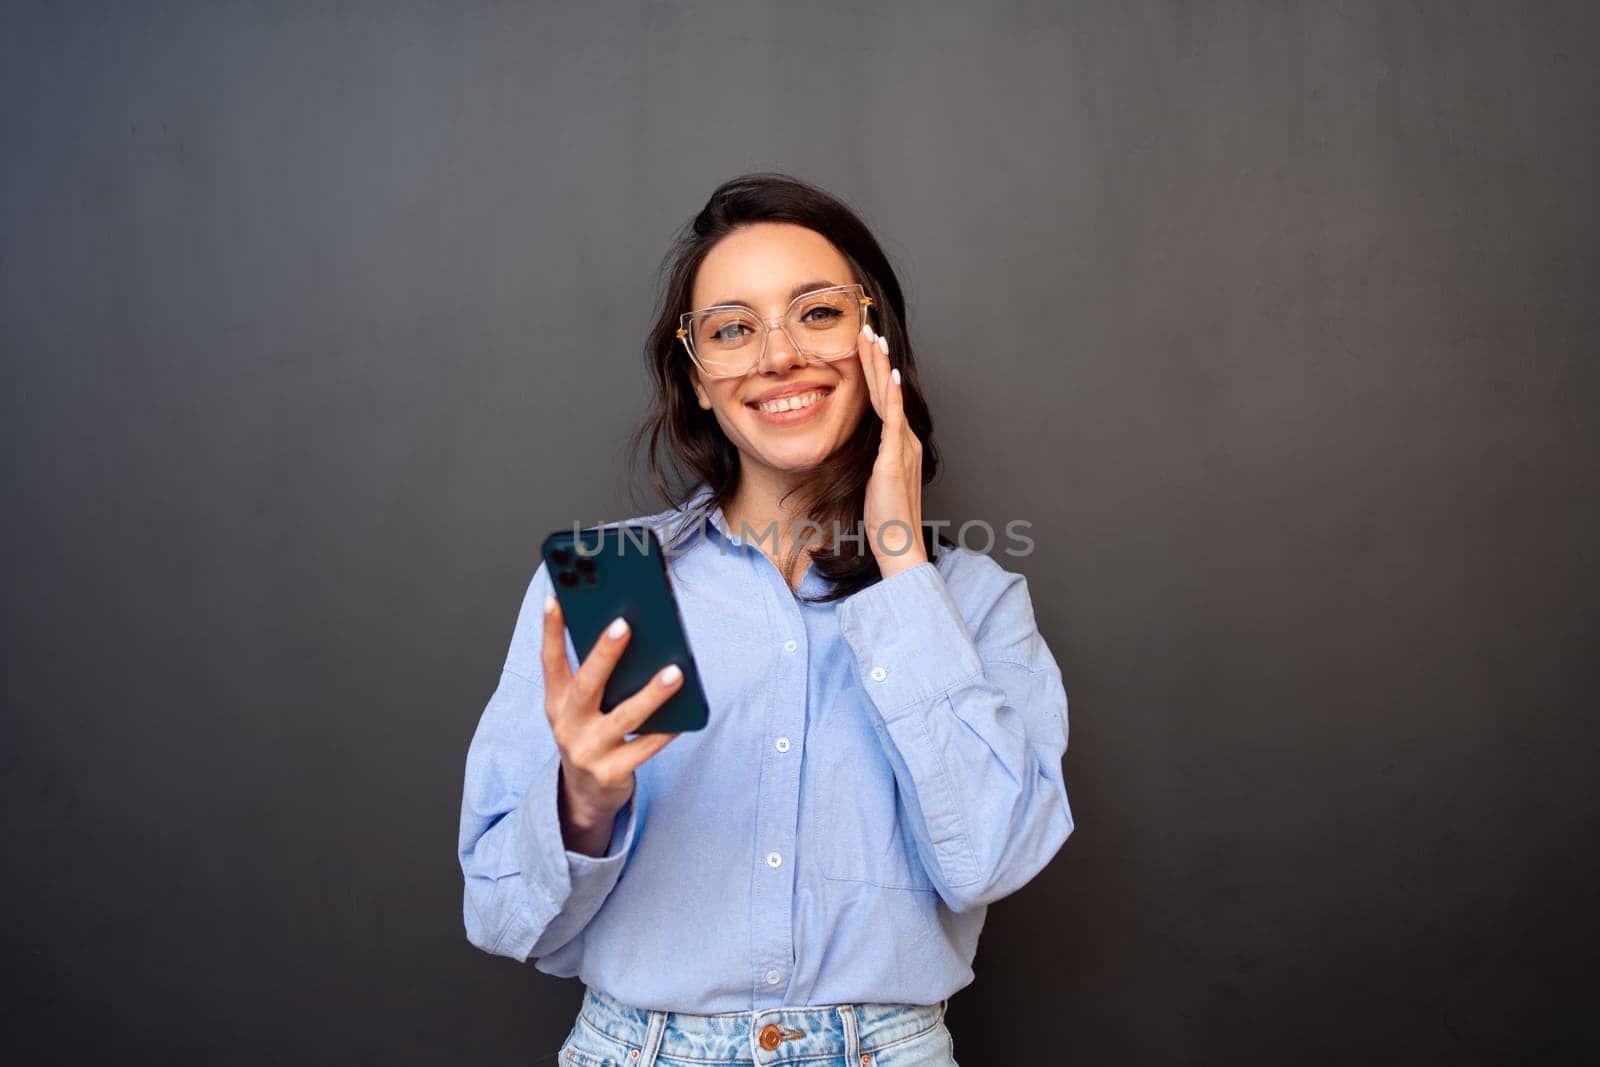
x=803, y=287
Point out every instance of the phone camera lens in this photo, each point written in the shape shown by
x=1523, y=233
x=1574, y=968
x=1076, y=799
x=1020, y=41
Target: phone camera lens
x=567, y=578
x=586, y=566
x=561, y=556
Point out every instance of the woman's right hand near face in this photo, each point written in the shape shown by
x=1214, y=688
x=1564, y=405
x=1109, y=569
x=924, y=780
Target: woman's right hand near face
x=597, y=764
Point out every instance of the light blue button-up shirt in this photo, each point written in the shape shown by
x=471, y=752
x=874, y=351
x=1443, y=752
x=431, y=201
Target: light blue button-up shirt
x=874, y=773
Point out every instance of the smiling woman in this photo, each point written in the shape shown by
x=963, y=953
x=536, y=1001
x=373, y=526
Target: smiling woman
x=807, y=877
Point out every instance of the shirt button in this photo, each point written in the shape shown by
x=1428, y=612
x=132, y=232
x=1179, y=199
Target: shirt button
x=790, y=645
x=879, y=674
x=781, y=744
x=773, y=859
x=772, y=977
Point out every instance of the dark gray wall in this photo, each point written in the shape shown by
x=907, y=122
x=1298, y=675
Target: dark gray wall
x=1277, y=321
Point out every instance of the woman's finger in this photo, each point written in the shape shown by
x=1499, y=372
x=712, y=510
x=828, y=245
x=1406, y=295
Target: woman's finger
x=633, y=712
x=890, y=446
x=553, y=656
x=884, y=385
x=867, y=349
x=630, y=754
x=590, y=682
x=897, y=406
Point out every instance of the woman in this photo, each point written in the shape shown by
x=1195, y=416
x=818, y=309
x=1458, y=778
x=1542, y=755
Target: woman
x=806, y=877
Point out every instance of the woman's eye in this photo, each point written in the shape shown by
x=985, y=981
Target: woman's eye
x=820, y=314
x=730, y=332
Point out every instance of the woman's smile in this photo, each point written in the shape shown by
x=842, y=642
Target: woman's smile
x=789, y=407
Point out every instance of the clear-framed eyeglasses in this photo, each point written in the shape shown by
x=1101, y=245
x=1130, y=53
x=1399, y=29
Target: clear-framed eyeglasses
x=729, y=340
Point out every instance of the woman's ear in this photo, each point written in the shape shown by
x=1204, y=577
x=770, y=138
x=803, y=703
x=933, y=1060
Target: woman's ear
x=700, y=392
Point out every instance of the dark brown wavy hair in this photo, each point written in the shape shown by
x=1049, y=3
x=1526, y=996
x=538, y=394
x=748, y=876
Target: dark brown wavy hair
x=683, y=445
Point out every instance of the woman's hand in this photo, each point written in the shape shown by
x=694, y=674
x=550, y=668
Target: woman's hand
x=892, y=511
x=597, y=765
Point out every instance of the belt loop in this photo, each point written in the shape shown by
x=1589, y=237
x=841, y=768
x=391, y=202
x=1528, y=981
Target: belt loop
x=652, y=1039
x=852, y=1040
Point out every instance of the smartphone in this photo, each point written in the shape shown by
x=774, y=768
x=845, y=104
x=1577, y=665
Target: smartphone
x=599, y=574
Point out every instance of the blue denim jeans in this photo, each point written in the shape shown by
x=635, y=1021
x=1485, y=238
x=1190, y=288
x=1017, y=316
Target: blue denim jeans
x=608, y=1033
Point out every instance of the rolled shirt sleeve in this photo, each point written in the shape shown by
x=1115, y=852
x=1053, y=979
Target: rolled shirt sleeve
x=968, y=702
x=526, y=893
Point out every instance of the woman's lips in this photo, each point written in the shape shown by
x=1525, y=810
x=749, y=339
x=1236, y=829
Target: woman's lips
x=789, y=418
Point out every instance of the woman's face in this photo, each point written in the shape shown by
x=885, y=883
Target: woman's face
x=761, y=266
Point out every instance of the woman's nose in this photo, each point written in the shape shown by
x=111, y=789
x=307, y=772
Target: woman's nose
x=781, y=353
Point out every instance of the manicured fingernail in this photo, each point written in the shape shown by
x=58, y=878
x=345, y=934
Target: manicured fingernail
x=866, y=328
x=617, y=628
x=671, y=674
x=883, y=343
x=549, y=603
x=895, y=374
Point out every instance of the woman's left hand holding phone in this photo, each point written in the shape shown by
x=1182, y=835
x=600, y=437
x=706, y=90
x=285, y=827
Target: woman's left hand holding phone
x=597, y=764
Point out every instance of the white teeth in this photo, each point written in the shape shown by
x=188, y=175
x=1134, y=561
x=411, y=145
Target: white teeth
x=790, y=403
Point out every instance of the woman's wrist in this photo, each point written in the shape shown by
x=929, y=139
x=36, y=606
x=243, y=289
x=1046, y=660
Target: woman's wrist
x=586, y=833
x=889, y=566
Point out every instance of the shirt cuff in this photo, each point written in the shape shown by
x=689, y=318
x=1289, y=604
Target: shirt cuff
x=909, y=639
x=560, y=878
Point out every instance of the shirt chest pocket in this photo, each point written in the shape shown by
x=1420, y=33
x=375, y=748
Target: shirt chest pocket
x=860, y=827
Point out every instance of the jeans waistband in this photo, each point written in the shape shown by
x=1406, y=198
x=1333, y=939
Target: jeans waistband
x=763, y=1036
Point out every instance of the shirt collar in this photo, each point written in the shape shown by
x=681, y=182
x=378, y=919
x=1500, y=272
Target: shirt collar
x=676, y=526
